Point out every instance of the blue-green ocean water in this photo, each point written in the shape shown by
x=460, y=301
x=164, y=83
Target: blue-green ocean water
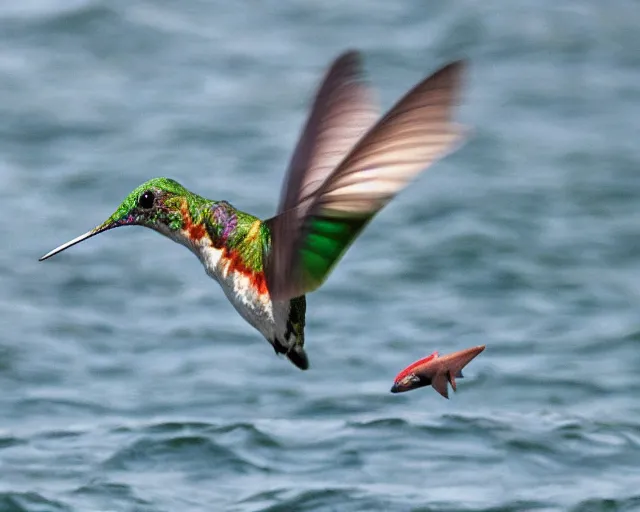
x=128, y=383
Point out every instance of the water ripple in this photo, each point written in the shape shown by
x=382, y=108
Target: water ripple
x=29, y=502
x=130, y=383
x=190, y=453
x=607, y=505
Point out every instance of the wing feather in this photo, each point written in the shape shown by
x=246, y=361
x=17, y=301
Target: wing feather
x=342, y=111
x=307, y=242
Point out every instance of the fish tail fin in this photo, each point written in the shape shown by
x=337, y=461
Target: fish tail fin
x=452, y=369
x=440, y=383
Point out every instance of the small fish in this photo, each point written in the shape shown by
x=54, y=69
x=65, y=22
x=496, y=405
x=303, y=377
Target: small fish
x=435, y=371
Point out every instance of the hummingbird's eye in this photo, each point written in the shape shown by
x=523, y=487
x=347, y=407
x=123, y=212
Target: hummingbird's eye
x=146, y=199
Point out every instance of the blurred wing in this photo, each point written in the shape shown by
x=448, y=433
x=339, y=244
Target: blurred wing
x=342, y=112
x=415, y=133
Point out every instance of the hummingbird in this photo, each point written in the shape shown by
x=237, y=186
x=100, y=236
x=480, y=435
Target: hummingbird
x=435, y=371
x=348, y=163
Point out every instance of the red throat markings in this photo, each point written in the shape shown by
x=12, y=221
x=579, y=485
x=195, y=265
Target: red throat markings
x=232, y=258
x=195, y=231
x=233, y=262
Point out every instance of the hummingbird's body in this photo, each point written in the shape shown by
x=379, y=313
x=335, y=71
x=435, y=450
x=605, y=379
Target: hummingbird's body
x=230, y=245
x=345, y=168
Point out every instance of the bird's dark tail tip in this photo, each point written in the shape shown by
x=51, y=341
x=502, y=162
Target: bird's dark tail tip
x=298, y=356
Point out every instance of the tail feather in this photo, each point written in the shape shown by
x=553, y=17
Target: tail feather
x=298, y=356
x=460, y=359
x=452, y=381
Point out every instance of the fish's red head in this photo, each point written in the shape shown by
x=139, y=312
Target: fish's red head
x=408, y=379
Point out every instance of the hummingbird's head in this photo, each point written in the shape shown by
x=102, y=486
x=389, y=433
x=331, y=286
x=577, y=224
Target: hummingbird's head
x=159, y=204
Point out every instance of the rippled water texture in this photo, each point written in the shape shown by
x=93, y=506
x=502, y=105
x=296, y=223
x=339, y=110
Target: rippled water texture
x=127, y=381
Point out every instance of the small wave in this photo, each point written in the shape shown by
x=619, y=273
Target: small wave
x=240, y=433
x=29, y=502
x=247, y=434
x=177, y=427
x=381, y=423
x=112, y=492
x=9, y=441
x=514, y=506
x=356, y=499
x=189, y=453
x=608, y=505
x=77, y=18
x=322, y=499
x=52, y=405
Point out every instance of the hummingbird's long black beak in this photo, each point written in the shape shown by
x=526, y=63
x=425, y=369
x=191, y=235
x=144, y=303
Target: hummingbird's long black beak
x=104, y=227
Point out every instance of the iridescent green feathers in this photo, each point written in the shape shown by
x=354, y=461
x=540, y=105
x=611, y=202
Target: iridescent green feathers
x=241, y=236
x=166, y=206
x=192, y=217
x=345, y=168
x=170, y=198
x=343, y=172
x=166, y=197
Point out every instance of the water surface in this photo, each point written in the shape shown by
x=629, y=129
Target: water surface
x=130, y=384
